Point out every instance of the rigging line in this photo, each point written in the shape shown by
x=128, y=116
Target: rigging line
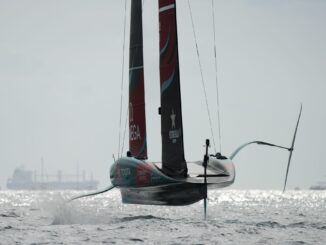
x=202, y=77
x=216, y=82
x=122, y=74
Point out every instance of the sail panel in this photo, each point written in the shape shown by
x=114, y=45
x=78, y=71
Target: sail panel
x=173, y=160
x=137, y=120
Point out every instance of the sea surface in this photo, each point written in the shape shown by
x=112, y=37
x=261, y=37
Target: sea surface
x=234, y=217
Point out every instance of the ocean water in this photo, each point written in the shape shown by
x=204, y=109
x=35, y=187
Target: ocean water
x=234, y=217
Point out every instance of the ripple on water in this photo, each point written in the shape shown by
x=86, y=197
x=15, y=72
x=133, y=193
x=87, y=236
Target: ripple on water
x=9, y=215
x=270, y=224
x=135, y=240
x=141, y=217
x=8, y=227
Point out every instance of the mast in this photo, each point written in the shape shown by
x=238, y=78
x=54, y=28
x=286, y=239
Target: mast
x=137, y=120
x=173, y=160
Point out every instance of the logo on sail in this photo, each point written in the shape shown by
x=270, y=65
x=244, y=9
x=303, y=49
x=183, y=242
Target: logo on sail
x=174, y=134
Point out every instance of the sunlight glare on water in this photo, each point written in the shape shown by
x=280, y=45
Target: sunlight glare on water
x=248, y=216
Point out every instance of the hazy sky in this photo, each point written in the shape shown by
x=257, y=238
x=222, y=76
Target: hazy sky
x=61, y=72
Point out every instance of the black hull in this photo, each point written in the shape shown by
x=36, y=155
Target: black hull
x=172, y=195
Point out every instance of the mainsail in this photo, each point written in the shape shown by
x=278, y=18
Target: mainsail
x=173, y=160
x=137, y=121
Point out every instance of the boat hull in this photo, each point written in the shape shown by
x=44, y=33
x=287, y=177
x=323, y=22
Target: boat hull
x=141, y=182
x=171, y=195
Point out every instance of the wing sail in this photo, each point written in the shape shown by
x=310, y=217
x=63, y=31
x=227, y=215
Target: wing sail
x=173, y=159
x=137, y=119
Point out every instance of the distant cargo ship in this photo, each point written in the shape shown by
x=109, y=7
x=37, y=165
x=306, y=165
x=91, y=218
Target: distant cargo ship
x=321, y=185
x=27, y=180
